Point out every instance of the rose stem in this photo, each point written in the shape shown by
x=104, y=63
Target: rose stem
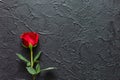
x=31, y=52
x=32, y=62
x=33, y=77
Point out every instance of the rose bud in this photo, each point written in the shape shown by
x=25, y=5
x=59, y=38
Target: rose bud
x=29, y=39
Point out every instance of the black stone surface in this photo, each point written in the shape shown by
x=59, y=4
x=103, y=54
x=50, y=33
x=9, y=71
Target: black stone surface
x=79, y=37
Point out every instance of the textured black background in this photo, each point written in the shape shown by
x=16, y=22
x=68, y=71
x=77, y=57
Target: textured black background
x=79, y=37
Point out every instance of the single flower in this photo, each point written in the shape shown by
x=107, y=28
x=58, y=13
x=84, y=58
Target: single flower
x=29, y=38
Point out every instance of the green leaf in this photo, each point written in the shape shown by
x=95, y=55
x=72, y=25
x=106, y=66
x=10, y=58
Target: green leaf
x=38, y=68
x=49, y=68
x=22, y=58
x=37, y=61
x=37, y=56
x=28, y=64
x=31, y=70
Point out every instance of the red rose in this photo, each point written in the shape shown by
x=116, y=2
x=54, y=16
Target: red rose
x=30, y=38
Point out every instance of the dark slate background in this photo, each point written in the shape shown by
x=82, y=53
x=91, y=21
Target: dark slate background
x=79, y=37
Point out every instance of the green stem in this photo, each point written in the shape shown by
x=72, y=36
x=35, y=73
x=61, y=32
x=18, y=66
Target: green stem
x=34, y=77
x=32, y=62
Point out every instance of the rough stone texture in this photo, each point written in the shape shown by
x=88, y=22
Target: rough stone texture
x=80, y=37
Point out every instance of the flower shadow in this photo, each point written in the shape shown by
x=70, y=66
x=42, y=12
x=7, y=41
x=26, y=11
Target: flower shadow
x=49, y=75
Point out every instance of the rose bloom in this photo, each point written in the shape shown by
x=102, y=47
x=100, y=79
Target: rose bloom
x=29, y=38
